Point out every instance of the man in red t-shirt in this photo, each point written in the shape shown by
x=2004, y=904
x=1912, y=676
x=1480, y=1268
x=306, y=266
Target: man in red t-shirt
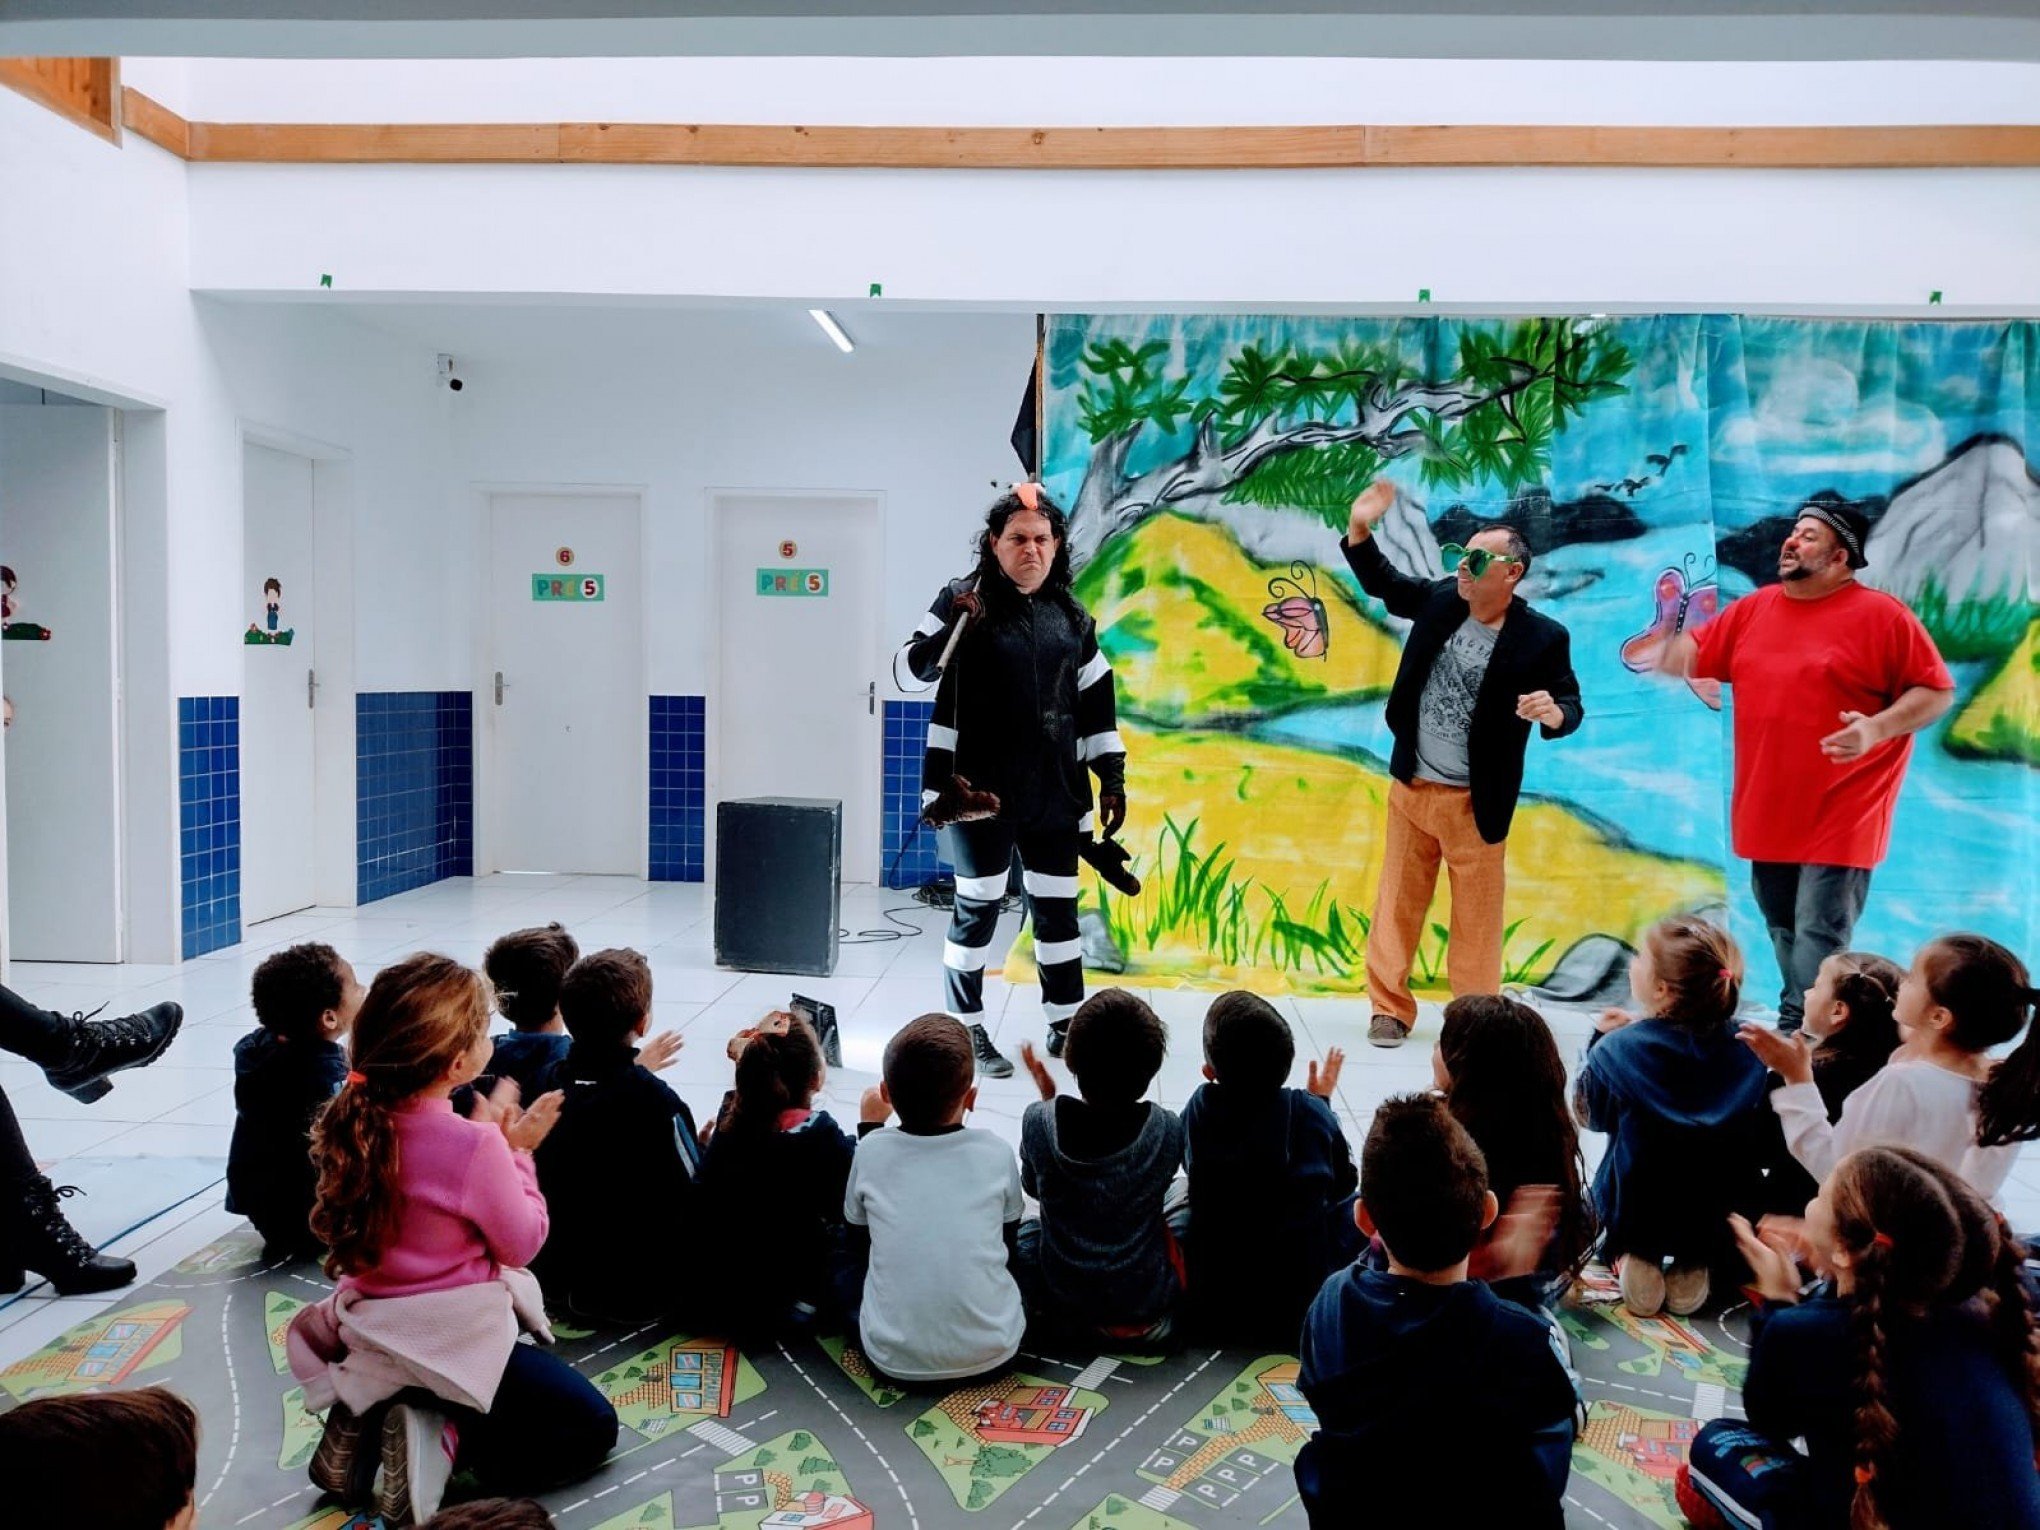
x=1813, y=802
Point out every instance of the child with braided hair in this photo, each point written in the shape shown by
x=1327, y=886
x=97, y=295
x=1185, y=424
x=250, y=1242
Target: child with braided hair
x=1913, y=1375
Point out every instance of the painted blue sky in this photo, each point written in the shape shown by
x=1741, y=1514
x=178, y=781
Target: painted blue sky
x=1769, y=410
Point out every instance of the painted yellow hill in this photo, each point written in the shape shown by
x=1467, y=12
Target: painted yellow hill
x=1179, y=603
x=1268, y=875
x=2003, y=719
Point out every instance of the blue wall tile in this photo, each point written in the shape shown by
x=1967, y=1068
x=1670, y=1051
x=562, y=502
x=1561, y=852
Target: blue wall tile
x=209, y=821
x=906, y=735
x=678, y=782
x=414, y=780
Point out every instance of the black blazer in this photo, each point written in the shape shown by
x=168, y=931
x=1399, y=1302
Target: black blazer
x=1532, y=653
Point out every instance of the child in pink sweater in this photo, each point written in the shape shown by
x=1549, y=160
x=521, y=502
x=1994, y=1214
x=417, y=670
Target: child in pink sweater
x=430, y=1219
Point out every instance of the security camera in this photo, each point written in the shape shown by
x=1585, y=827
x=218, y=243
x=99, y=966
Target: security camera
x=448, y=378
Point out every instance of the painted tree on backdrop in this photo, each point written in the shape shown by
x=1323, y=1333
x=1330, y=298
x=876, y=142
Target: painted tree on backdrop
x=1305, y=429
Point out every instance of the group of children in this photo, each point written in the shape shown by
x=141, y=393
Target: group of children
x=446, y=1168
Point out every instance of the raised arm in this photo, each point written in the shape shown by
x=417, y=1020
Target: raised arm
x=1403, y=595
x=914, y=666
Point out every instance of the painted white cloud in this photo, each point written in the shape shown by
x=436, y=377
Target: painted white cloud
x=1811, y=421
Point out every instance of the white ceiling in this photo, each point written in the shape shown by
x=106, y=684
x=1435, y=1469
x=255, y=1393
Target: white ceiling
x=1585, y=29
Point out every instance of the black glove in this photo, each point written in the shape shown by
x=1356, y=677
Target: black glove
x=1109, y=859
x=1112, y=811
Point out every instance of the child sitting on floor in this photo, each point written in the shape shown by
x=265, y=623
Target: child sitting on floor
x=1915, y=1400
x=1105, y=1256
x=1941, y=1092
x=526, y=968
x=938, y=1205
x=1684, y=1107
x=285, y=1070
x=619, y=1169
x=1389, y=1356
x=773, y=1156
x=1271, y=1177
x=1499, y=1070
x=430, y=1220
x=1852, y=1029
x=111, y=1460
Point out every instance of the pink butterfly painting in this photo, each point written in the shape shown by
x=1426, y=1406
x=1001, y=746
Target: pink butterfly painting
x=1683, y=603
x=1297, y=610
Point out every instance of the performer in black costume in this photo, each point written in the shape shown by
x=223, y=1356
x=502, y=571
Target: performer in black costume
x=1024, y=715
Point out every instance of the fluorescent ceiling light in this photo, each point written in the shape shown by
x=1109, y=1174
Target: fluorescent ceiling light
x=832, y=329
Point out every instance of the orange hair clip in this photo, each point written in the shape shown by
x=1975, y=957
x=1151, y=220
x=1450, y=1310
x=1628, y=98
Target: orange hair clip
x=1029, y=494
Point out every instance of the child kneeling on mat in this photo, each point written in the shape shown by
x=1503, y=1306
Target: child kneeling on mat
x=1405, y=1366
x=938, y=1206
x=1915, y=1398
x=430, y=1219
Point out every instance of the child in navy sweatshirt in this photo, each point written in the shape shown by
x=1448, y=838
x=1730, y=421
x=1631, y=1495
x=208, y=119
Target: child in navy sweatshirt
x=285, y=1071
x=1404, y=1366
x=1271, y=1178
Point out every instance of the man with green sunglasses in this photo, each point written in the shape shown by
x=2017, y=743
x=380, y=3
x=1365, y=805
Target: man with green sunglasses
x=1478, y=668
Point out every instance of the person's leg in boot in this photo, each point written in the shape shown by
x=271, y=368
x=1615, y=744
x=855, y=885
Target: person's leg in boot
x=982, y=853
x=77, y=1052
x=34, y=1233
x=1048, y=861
x=1409, y=875
x=1776, y=885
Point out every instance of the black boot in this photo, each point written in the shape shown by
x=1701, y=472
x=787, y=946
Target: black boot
x=1058, y=1037
x=35, y=1237
x=95, y=1048
x=990, y=1062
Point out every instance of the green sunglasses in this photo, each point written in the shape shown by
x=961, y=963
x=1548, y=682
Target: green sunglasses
x=1476, y=559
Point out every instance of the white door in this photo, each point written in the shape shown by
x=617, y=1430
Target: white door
x=277, y=816
x=567, y=727
x=58, y=468
x=795, y=712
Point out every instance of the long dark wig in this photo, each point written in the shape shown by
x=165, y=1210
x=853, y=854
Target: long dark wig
x=998, y=591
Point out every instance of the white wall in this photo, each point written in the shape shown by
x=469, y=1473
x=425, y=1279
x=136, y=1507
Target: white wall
x=682, y=402
x=1031, y=92
x=95, y=298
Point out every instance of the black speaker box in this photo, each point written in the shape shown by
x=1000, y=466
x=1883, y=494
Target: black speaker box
x=778, y=884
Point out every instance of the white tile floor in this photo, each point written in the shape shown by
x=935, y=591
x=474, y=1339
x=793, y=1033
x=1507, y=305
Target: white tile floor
x=182, y=1106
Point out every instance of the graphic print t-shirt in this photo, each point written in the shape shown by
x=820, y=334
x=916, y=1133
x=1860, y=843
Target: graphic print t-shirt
x=1446, y=709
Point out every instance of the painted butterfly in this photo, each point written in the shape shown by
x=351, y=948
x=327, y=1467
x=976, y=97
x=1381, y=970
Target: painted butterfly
x=1297, y=610
x=1683, y=603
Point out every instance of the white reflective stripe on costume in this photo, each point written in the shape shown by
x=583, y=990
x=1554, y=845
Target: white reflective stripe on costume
x=928, y=795
x=963, y=958
x=1048, y=953
x=1055, y=1012
x=1095, y=746
x=1097, y=669
x=940, y=737
x=982, y=889
x=928, y=625
x=1084, y=824
x=903, y=672
x=1040, y=884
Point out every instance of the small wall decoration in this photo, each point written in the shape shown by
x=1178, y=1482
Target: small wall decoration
x=813, y=582
x=10, y=629
x=269, y=629
x=789, y=549
x=564, y=557
x=554, y=587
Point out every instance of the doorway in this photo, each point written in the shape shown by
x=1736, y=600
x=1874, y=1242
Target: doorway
x=279, y=685
x=564, y=689
x=798, y=588
x=59, y=478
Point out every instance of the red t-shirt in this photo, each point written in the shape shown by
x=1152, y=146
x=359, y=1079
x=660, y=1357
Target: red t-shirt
x=1796, y=666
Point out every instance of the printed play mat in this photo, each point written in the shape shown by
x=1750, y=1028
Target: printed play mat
x=799, y=1436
